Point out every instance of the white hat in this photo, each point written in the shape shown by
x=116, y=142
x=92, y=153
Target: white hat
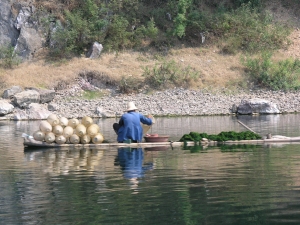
x=131, y=106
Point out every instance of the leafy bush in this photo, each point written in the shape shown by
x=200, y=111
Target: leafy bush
x=236, y=24
x=282, y=75
x=119, y=37
x=249, y=30
x=169, y=74
x=253, y=3
x=8, y=58
x=91, y=95
x=130, y=84
x=180, y=21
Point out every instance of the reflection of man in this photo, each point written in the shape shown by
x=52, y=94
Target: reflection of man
x=131, y=162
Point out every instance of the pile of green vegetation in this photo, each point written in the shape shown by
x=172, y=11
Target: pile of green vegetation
x=223, y=136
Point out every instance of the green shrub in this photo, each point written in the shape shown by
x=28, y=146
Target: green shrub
x=168, y=74
x=282, y=75
x=90, y=95
x=236, y=24
x=180, y=21
x=119, y=37
x=253, y=3
x=8, y=58
x=249, y=30
x=130, y=84
x=82, y=26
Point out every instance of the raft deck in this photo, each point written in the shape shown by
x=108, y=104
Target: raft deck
x=29, y=142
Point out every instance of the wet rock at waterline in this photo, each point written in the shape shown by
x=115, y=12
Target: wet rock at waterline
x=5, y=107
x=34, y=111
x=257, y=106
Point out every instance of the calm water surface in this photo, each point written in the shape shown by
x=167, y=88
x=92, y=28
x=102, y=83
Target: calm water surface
x=244, y=184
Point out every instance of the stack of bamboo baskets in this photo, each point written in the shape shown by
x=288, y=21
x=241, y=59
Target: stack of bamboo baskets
x=61, y=130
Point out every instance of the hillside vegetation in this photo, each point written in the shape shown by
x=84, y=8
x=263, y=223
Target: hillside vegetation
x=157, y=44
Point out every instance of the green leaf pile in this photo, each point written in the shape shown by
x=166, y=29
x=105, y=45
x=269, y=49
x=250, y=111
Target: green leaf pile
x=223, y=136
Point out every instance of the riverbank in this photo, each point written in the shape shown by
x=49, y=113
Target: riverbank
x=71, y=103
x=174, y=102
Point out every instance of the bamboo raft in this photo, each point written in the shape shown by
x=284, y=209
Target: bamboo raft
x=30, y=142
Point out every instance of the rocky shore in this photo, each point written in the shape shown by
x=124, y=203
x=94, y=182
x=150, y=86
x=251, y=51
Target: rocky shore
x=175, y=102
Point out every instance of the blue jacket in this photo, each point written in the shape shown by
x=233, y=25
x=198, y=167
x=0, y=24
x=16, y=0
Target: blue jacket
x=130, y=126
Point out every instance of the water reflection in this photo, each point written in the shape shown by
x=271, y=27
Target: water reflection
x=238, y=184
x=57, y=162
x=131, y=163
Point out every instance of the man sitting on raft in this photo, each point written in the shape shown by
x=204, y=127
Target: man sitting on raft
x=129, y=128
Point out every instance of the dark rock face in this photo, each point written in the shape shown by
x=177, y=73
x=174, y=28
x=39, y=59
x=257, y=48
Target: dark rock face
x=28, y=43
x=8, y=33
x=19, y=29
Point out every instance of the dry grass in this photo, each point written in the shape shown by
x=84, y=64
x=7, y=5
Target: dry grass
x=215, y=69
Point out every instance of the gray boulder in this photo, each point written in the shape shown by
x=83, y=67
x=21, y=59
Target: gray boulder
x=100, y=112
x=25, y=98
x=46, y=96
x=257, y=105
x=5, y=107
x=53, y=107
x=35, y=111
x=94, y=51
x=234, y=108
x=8, y=93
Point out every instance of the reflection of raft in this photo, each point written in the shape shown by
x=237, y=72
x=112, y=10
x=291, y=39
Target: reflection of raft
x=30, y=142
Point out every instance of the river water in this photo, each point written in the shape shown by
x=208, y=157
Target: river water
x=244, y=184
